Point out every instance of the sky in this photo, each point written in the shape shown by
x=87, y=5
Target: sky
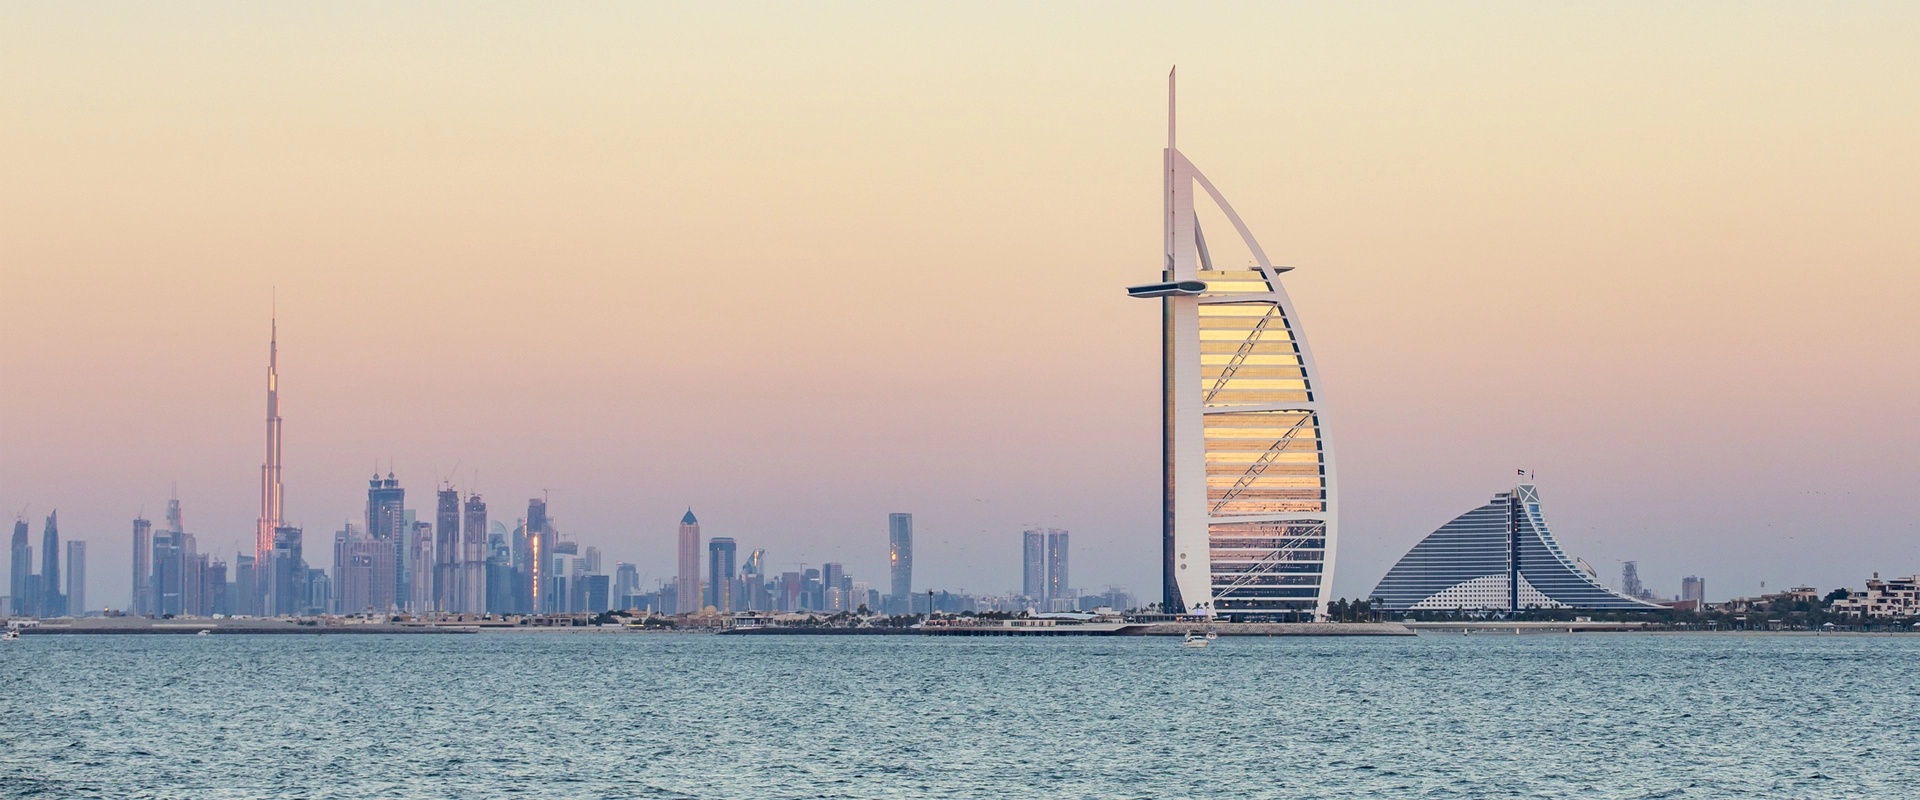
x=800, y=266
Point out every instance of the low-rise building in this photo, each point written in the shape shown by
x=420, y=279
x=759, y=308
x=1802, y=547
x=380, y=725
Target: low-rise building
x=1891, y=599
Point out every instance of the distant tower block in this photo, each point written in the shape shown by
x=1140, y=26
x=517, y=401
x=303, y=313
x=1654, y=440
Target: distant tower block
x=687, y=590
x=900, y=558
x=1249, y=522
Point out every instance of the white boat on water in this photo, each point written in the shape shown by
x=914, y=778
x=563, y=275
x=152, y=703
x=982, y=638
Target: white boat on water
x=10, y=635
x=205, y=632
x=1195, y=640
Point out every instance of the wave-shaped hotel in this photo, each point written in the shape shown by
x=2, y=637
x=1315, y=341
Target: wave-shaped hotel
x=1499, y=557
x=1249, y=504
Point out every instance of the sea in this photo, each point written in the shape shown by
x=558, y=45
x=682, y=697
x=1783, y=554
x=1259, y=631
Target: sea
x=1614, y=715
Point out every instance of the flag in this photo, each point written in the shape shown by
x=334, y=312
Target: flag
x=1520, y=472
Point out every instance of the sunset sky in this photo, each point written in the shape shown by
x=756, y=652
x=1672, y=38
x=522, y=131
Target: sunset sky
x=801, y=265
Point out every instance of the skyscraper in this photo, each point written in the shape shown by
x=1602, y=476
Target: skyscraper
x=20, y=578
x=387, y=522
x=832, y=575
x=1248, y=509
x=900, y=557
x=1630, y=579
x=142, y=604
x=1693, y=588
x=286, y=571
x=541, y=546
x=76, y=577
x=52, y=603
x=271, y=510
x=169, y=563
x=446, y=552
x=1057, y=586
x=687, y=594
x=1033, y=565
x=419, y=598
x=720, y=551
x=473, y=558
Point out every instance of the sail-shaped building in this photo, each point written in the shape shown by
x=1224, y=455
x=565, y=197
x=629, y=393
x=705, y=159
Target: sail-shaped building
x=1498, y=557
x=1249, y=507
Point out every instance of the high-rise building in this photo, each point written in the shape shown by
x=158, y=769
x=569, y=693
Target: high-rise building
x=831, y=577
x=790, y=589
x=900, y=556
x=473, y=558
x=387, y=522
x=540, y=541
x=272, y=512
x=1033, y=565
x=687, y=591
x=248, y=600
x=420, y=568
x=52, y=602
x=1630, y=579
x=286, y=568
x=76, y=578
x=1693, y=588
x=626, y=583
x=1248, y=475
x=719, y=589
x=141, y=604
x=20, y=576
x=446, y=552
x=593, y=561
x=1057, y=586
x=363, y=570
x=168, y=583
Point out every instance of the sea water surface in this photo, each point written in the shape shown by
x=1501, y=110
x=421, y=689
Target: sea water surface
x=608, y=716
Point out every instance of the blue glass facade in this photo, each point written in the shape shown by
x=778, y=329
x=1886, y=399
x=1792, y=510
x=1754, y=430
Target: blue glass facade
x=1502, y=556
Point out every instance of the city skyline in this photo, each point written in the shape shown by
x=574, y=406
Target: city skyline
x=1638, y=244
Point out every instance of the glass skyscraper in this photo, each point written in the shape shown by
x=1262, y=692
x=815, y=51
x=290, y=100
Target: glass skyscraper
x=1249, y=523
x=900, y=557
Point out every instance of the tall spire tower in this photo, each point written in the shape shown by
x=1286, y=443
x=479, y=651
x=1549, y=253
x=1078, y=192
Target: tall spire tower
x=270, y=493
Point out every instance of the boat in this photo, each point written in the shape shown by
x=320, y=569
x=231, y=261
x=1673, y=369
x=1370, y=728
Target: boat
x=1193, y=640
x=205, y=632
x=10, y=635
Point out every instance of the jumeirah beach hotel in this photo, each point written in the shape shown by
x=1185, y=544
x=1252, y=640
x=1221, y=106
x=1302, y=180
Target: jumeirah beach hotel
x=1498, y=557
x=1249, y=505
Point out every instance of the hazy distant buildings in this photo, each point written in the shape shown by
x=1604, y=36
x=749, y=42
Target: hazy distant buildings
x=899, y=561
x=363, y=572
x=472, y=591
x=1033, y=564
x=20, y=589
x=1693, y=588
x=76, y=578
x=1630, y=579
x=1500, y=556
x=387, y=523
x=540, y=549
x=1249, y=502
x=286, y=585
x=1059, y=591
x=142, y=567
x=719, y=590
x=687, y=588
x=52, y=602
x=446, y=551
